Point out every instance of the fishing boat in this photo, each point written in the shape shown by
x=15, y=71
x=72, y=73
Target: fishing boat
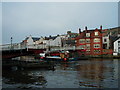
x=59, y=59
x=60, y=56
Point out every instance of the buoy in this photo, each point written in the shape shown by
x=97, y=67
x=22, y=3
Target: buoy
x=41, y=57
x=65, y=59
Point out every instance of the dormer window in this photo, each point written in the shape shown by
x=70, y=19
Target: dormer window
x=96, y=33
x=87, y=34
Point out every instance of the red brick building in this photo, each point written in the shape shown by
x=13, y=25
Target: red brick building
x=89, y=42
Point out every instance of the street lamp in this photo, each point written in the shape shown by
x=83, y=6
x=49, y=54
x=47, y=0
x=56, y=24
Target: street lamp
x=11, y=42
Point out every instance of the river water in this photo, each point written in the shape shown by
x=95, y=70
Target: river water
x=92, y=73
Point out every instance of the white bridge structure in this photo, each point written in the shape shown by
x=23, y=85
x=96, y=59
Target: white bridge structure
x=17, y=46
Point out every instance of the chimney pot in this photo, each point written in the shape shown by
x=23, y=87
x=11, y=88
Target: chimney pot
x=101, y=27
x=79, y=30
x=86, y=28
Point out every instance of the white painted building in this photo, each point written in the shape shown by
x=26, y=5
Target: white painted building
x=57, y=41
x=117, y=47
x=106, y=42
x=33, y=40
x=39, y=41
x=30, y=40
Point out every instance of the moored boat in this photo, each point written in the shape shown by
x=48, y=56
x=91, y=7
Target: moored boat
x=62, y=56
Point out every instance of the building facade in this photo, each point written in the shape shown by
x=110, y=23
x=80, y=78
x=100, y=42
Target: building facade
x=117, y=46
x=106, y=42
x=89, y=42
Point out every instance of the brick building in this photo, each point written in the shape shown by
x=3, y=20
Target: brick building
x=89, y=42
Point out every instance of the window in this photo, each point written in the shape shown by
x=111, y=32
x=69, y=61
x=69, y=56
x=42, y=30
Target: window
x=96, y=33
x=87, y=40
x=82, y=46
x=87, y=46
x=97, y=40
x=96, y=45
x=88, y=51
x=105, y=40
x=82, y=40
x=118, y=43
x=96, y=51
x=87, y=34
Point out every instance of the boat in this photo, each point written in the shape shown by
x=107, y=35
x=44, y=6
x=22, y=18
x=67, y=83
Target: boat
x=62, y=56
x=59, y=59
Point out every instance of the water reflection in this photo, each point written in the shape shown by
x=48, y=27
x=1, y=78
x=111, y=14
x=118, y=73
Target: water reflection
x=95, y=73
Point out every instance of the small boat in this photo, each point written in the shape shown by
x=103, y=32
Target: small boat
x=61, y=57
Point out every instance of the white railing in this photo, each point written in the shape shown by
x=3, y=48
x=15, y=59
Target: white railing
x=11, y=47
x=41, y=46
x=17, y=46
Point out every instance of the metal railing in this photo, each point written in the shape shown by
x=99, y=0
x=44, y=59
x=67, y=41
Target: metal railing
x=17, y=46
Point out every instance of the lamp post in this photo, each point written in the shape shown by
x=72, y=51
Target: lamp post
x=11, y=42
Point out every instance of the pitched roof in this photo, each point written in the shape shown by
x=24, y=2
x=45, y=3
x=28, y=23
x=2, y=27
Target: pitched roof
x=51, y=37
x=26, y=38
x=34, y=38
x=114, y=38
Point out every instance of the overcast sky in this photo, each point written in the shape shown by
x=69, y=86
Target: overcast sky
x=43, y=19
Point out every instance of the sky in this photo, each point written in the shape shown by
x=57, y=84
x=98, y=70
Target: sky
x=21, y=19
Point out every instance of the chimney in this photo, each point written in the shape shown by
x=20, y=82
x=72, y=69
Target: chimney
x=79, y=30
x=86, y=28
x=101, y=27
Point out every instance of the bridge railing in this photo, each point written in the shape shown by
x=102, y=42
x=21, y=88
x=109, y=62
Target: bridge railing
x=19, y=46
x=11, y=47
x=5, y=47
x=37, y=46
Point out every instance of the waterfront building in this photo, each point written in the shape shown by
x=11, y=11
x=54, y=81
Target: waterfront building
x=89, y=42
x=117, y=46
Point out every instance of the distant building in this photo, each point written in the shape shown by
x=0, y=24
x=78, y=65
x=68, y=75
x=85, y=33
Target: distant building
x=109, y=36
x=30, y=41
x=69, y=39
x=53, y=41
